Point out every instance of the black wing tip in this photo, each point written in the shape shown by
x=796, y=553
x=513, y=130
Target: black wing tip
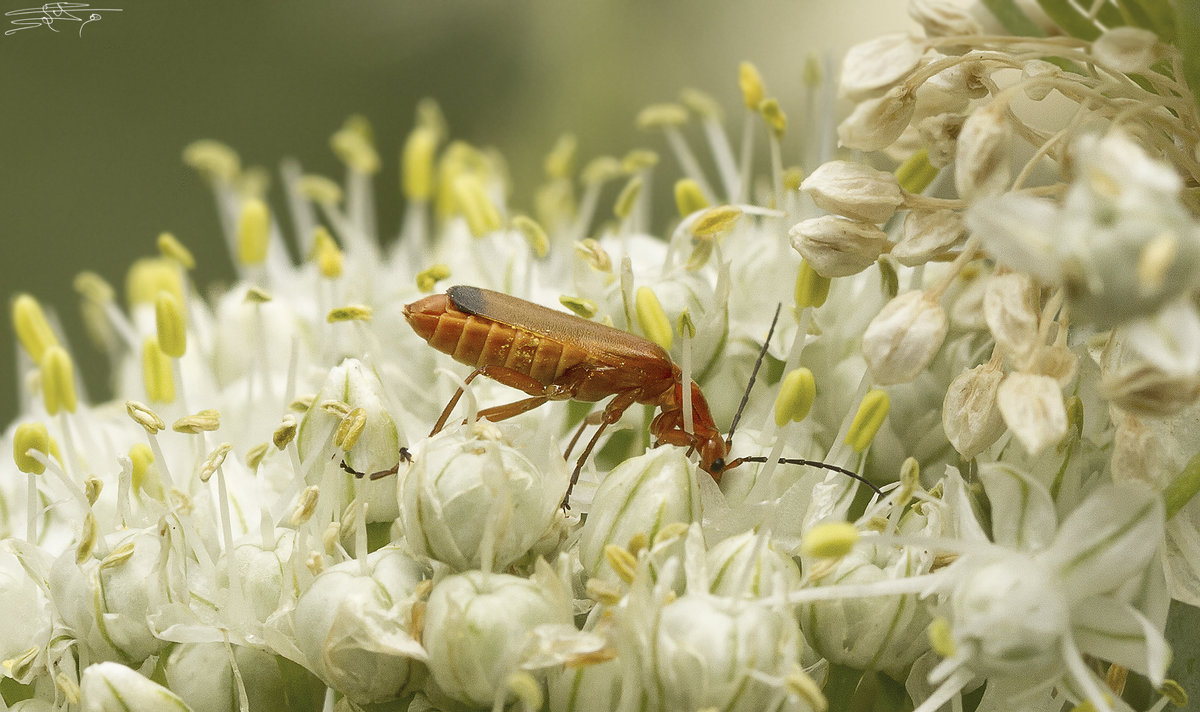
x=471, y=300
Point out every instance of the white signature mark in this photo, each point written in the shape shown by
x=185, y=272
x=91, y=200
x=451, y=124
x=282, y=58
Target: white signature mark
x=53, y=12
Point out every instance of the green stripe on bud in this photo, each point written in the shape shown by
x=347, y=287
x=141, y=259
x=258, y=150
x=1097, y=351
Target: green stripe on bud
x=254, y=230
x=653, y=318
x=58, y=381
x=30, y=436
x=870, y=416
x=1183, y=488
x=689, y=198
x=33, y=330
x=750, y=81
x=831, y=540
x=171, y=325
x=533, y=234
x=157, y=375
x=916, y=173
x=416, y=164
x=796, y=396
x=628, y=197
x=428, y=278
x=811, y=288
x=172, y=249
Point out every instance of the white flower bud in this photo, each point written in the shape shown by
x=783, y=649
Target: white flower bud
x=587, y=688
x=982, y=166
x=943, y=18
x=904, y=337
x=356, y=628
x=113, y=687
x=478, y=626
x=884, y=632
x=876, y=123
x=462, y=496
x=970, y=416
x=373, y=447
x=739, y=567
x=1127, y=49
x=706, y=652
x=927, y=234
x=876, y=64
x=1146, y=391
x=1032, y=407
x=837, y=247
x=201, y=674
x=29, y=621
x=1010, y=309
x=854, y=191
x=642, y=495
x=940, y=134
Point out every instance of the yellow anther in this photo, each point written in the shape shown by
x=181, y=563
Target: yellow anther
x=773, y=114
x=657, y=116
x=796, y=396
x=669, y=534
x=255, y=455
x=430, y=116
x=172, y=327
x=638, y=160
x=751, y=84
x=143, y=416
x=350, y=429
x=157, y=374
x=58, y=380
x=213, y=159
x=254, y=232
x=350, y=312
x=458, y=160
x=320, y=190
x=628, y=197
x=622, y=562
x=910, y=480
x=253, y=182
x=30, y=436
x=87, y=539
x=1174, y=692
x=285, y=433
x=811, y=288
x=124, y=552
x=93, y=288
x=638, y=543
x=1156, y=259
x=326, y=253
x=475, y=205
x=830, y=540
x=560, y=162
x=204, y=421
x=172, y=249
x=416, y=164
x=701, y=103
x=33, y=330
x=582, y=306
x=870, y=416
x=941, y=638
x=336, y=407
x=301, y=404
x=689, y=198
x=685, y=326
x=533, y=234
x=306, y=505
x=916, y=173
x=811, y=74
x=214, y=461
x=526, y=689
x=353, y=144
x=144, y=479
x=92, y=486
x=793, y=176
x=257, y=295
x=610, y=594
x=428, y=278
x=716, y=220
x=22, y=664
x=600, y=170
x=150, y=275
x=652, y=318
x=590, y=251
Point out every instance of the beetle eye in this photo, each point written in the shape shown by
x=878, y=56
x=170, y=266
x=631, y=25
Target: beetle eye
x=717, y=465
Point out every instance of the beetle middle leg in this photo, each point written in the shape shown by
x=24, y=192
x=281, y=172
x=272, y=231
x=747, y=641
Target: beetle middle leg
x=539, y=394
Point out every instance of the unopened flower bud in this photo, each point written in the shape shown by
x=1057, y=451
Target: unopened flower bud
x=943, y=18
x=1032, y=407
x=969, y=414
x=982, y=166
x=904, y=337
x=1010, y=309
x=854, y=191
x=927, y=234
x=740, y=567
x=940, y=135
x=1127, y=49
x=877, y=123
x=113, y=687
x=837, y=247
x=876, y=64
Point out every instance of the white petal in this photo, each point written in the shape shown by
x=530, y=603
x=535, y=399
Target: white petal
x=1032, y=407
x=1023, y=515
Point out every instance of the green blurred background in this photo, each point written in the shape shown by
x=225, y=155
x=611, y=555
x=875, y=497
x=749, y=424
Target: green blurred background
x=92, y=126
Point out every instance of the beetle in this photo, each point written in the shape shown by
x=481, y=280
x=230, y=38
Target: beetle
x=551, y=355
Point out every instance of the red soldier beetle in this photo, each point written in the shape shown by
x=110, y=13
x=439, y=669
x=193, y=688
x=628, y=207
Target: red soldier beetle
x=552, y=355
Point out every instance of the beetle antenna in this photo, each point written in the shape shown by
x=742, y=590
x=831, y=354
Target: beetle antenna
x=813, y=463
x=753, y=374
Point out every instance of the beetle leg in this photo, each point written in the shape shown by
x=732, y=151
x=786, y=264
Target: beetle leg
x=611, y=414
x=441, y=421
x=593, y=418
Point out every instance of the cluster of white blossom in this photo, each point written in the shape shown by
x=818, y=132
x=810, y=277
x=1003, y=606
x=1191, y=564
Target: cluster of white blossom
x=1012, y=358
